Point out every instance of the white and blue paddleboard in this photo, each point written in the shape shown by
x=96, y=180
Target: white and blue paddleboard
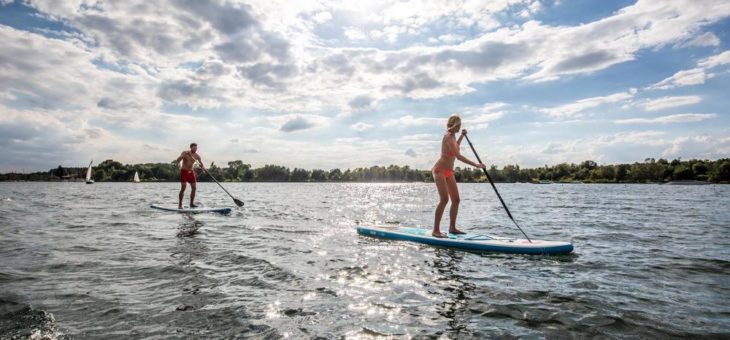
x=193, y=210
x=468, y=241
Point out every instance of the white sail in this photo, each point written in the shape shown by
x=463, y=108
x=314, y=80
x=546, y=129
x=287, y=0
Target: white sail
x=88, y=173
x=136, y=177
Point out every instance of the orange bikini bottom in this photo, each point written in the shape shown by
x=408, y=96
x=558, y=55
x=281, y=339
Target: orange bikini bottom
x=444, y=172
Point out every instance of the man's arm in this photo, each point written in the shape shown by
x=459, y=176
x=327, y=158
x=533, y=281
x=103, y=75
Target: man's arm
x=180, y=158
x=200, y=161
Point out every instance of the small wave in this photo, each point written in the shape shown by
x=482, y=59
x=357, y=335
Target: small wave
x=285, y=229
x=369, y=332
x=8, y=277
x=187, y=232
x=82, y=249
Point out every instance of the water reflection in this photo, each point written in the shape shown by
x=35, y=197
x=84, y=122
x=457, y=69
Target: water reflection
x=187, y=251
x=189, y=226
x=454, y=289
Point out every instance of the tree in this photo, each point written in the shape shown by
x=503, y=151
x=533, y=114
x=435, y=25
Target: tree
x=511, y=173
x=299, y=175
x=561, y=171
x=648, y=170
x=494, y=173
x=319, y=175
x=213, y=170
x=683, y=172
x=581, y=174
x=121, y=175
x=335, y=175
x=60, y=172
x=272, y=173
x=110, y=164
x=622, y=171
x=721, y=172
x=235, y=170
x=699, y=168
x=590, y=165
x=99, y=175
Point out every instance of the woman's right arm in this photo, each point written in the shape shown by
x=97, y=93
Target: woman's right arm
x=456, y=150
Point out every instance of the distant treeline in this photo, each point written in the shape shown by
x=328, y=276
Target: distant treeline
x=650, y=170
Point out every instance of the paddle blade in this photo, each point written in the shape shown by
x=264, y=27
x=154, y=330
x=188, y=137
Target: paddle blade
x=238, y=202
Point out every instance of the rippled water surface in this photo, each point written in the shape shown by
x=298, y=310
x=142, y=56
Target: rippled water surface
x=94, y=261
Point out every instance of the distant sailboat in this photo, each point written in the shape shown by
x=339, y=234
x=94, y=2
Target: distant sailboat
x=88, y=174
x=136, y=177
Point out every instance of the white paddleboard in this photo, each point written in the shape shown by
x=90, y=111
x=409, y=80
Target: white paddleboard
x=197, y=210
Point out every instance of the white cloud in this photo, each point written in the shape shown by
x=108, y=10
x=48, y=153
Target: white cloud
x=715, y=60
x=447, y=38
x=279, y=62
x=677, y=118
x=298, y=122
x=669, y=102
x=623, y=147
x=693, y=76
x=696, y=75
x=322, y=17
x=479, y=118
x=705, y=39
x=574, y=109
x=360, y=126
x=270, y=66
x=704, y=147
x=354, y=34
x=481, y=121
x=637, y=137
x=409, y=121
x=419, y=137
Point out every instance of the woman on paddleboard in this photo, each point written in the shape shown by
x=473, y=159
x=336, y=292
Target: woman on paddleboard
x=443, y=175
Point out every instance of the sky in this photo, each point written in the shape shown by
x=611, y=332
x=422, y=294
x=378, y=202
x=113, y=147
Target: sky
x=344, y=84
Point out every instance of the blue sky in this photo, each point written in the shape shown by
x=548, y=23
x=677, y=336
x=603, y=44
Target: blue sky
x=358, y=83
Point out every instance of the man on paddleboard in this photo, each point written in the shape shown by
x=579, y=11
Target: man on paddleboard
x=187, y=174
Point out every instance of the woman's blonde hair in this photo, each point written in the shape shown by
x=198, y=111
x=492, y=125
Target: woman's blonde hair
x=453, y=121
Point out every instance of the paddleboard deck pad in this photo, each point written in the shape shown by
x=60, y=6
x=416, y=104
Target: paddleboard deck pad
x=197, y=210
x=468, y=241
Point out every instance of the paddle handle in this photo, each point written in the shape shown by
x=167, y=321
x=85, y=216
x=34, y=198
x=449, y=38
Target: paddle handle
x=495, y=189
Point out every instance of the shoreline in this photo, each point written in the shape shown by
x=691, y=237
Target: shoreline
x=689, y=182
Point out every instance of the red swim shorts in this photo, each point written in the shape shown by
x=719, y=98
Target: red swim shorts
x=187, y=176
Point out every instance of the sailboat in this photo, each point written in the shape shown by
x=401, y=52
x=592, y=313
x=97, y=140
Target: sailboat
x=136, y=177
x=88, y=174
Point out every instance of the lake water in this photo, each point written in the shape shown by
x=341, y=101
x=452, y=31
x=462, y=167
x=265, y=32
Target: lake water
x=94, y=261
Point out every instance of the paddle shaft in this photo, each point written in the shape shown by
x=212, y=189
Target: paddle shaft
x=495, y=190
x=224, y=189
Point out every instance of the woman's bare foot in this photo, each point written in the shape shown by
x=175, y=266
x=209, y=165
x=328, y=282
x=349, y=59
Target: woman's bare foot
x=456, y=231
x=439, y=235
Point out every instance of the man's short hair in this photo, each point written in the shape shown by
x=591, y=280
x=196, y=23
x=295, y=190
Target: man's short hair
x=193, y=144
